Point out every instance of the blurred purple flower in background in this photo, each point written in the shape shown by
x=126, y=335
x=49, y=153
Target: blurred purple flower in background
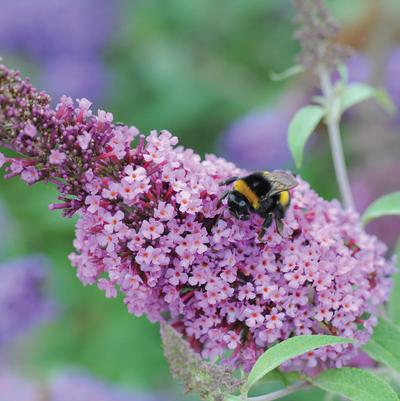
x=392, y=72
x=23, y=300
x=77, y=386
x=359, y=68
x=75, y=76
x=368, y=184
x=64, y=39
x=14, y=387
x=257, y=141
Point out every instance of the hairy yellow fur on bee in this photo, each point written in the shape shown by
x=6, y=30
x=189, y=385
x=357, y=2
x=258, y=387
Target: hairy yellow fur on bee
x=284, y=198
x=246, y=191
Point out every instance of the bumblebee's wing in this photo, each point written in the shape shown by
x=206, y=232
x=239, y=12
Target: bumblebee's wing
x=280, y=181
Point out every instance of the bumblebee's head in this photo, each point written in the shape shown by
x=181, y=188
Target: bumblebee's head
x=238, y=205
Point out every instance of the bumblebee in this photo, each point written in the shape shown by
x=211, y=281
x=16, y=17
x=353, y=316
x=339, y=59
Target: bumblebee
x=264, y=193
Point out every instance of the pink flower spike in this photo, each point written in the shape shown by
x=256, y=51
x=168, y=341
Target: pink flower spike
x=149, y=226
x=2, y=160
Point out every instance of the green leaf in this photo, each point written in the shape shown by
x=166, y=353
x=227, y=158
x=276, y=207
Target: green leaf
x=384, y=344
x=301, y=127
x=358, y=92
x=277, y=376
x=387, y=205
x=394, y=302
x=289, y=349
x=290, y=72
x=384, y=99
x=355, y=384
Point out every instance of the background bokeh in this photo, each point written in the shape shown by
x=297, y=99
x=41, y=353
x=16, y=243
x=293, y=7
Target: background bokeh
x=201, y=70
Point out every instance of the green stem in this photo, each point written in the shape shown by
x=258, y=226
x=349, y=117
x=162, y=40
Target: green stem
x=276, y=395
x=332, y=122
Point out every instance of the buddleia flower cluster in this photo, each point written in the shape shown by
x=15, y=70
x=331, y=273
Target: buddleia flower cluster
x=150, y=228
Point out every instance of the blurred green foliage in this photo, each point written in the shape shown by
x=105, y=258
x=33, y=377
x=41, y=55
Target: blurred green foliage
x=192, y=67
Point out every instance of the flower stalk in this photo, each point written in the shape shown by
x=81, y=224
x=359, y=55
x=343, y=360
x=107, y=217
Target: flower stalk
x=317, y=31
x=332, y=122
x=276, y=395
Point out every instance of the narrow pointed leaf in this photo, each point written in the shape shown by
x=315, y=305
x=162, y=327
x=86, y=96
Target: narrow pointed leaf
x=289, y=349
x=355, y=384
x=387, y=205
x=384, y=344
x=290, y=72
x=358, y=92
x=301, y=127
x=384, y=99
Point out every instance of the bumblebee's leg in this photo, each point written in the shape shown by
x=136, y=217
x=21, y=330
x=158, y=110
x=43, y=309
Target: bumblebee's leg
x=266, y=204
x=279, y=212
x=279, y=227
x=266, y=224
x=228, y=181
x=223, y=196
